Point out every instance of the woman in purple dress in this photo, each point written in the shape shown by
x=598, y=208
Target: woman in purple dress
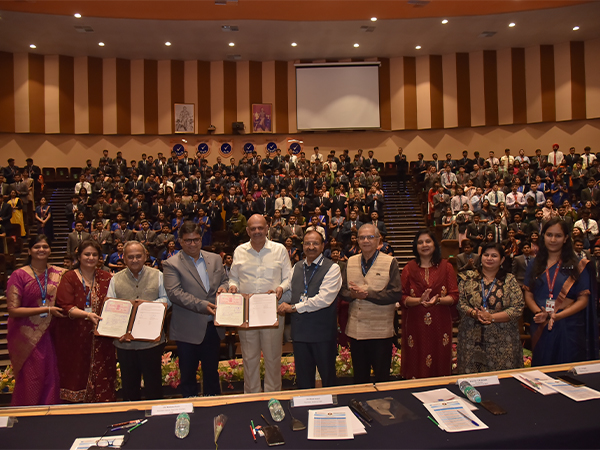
x=31, y=295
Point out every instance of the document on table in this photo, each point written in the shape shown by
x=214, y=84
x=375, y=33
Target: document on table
x=85, y=443
x=535, y=379
x=454, y=417
x=262, y=310
x=230, y=310
x=115, y=318
x=330, y=424
x=443, y=395
x=577, y=393
x=148, y=320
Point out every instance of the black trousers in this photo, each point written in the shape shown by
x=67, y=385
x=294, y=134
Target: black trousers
x=206, y=353
x=136, y=364
x=375, y=353
x=311, y=356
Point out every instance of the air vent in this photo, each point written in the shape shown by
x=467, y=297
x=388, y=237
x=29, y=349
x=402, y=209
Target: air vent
x=234, y=57
x=418, y=2
x=220, y=2
x=230, y=28
x=84, y=29
x=487, y=34
x=367, y=29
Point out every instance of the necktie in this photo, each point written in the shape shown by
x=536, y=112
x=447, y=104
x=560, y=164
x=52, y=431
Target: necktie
x=79, y=237
x=497, y=233
x=554, y=159
x=496, y=197
x=527, y=260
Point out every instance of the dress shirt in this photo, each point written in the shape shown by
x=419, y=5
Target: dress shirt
x=515, y=201
x=281, y=201
x=255, y=272
x=496, y=197
x=590, y=227
x=457, y=202
x=587, y=160
x=200, y=266
x=447, y=178
x=556, y=157
x=539, y=197
x=162, y=293
x=328, y=291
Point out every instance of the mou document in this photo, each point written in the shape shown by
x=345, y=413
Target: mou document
x=230, y=310
x=148, y=320
x=115, y=318
x=262, y=310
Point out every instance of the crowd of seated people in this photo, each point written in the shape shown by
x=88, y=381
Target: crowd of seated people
x=148, y=200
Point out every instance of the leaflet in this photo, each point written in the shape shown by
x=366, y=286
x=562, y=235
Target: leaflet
x=577, y=393
x=332, y=424
x=230, y=310
x=453, y=417
x=535, y=380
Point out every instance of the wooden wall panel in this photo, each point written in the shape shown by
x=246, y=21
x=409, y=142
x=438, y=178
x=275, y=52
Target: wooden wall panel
x=490, y=87
x=385, y=108
x=436, y=79
x=123, y=79
x=37, y=110
x=519, y=86
x=151, y=96
x=7, y=93
x=463, y=90
x=410, y=93
x=281, y=97
x=548, y=83
x=66, y=102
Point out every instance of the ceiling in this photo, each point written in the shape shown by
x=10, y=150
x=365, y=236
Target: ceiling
x=322, y=29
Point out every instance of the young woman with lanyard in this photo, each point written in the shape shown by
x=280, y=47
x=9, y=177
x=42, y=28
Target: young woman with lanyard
x=87, y=363
x=559, y=292
x=490, y=304
x=31, y=294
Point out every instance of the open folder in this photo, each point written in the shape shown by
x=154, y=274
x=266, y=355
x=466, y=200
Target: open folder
x=246, y=311
x=140, y=320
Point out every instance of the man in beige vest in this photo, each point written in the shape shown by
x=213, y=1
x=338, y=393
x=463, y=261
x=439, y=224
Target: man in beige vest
x=373, y=292
x=138, y=358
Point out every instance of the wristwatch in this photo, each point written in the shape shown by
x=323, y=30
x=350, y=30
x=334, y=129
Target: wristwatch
x=294, y=308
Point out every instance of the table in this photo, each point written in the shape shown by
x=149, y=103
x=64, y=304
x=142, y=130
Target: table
x=533, y=420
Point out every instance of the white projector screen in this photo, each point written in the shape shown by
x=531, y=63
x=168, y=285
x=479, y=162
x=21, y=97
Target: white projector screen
x=337, y=96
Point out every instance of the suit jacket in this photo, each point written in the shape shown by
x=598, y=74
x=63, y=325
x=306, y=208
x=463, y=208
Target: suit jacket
x=190, y=297
x=503, y=233
x=519, y=267
x=462, y=261
x=123, y=236
x=151, y=238
x=73, y=240
x=341, y=204
x=104, y=238
x=5, y=215
x=347, y=229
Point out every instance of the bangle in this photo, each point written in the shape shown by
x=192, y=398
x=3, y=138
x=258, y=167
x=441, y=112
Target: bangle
x=492, y=317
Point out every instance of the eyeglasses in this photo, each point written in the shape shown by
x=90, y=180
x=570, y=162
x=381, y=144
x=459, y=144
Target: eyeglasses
x=192, y=241
x=366, y=238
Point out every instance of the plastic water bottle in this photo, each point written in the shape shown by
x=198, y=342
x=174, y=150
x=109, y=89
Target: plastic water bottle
x=277, y=412
x=470, y=392
x=182, y=426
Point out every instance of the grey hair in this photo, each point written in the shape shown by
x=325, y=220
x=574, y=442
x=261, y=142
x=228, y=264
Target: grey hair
x=130, y=243
x=376, y=232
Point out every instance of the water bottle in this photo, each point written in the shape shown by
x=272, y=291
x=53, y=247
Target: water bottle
x=182, y=426
x=277, y=412
x=470, y=392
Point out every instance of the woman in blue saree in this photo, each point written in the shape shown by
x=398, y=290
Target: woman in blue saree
x=558, y=290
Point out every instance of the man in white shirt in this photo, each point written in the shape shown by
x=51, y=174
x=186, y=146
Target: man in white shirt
x=447, y=177
x=316, y=157
x=496, y=196
x=458, y=200
x=83, y=184
x=589, y=227
x=261, y=266
x=315, y=285
x=507, y=160
x=284, y=204
x=493, y=160
x=515, y=200
x=555, y=156
x=587, y=158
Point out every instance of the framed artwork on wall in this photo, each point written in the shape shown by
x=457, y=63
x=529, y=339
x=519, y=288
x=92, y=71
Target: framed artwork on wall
x=262, y=117
x=184, y=120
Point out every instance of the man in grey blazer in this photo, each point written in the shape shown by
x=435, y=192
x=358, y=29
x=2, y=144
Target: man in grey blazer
x=76, y=237
x=520, y=263
x=193, y=278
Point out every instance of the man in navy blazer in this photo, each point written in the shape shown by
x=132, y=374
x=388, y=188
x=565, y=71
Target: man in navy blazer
x=193, y=278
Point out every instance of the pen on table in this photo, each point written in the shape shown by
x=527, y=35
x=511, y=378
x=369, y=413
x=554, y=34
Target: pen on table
x=141, y=423
x=115, y=425
x=467, y=417
x=433, y=420
x=360, y=418
x=253, y=435
x=527, y=387
x=125, y=427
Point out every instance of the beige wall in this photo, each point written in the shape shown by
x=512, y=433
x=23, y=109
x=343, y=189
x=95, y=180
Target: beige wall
x=73, y=150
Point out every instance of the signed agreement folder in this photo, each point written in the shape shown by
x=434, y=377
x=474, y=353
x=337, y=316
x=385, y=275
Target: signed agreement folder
x=140, y=320
x=246, y=311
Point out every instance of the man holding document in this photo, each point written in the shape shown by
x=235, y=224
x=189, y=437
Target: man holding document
x=261, y=267
x=139, y=358
x=193, y=278
x=316, y=282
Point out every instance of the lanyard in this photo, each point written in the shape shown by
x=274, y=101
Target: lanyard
x=316, y=263
x=363, y=264
x=551, y=284
x=484, y=296
x=43, y=291
x=89, y=293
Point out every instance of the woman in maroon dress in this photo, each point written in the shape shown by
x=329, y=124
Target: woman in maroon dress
x=429, y=298
x=86, y=363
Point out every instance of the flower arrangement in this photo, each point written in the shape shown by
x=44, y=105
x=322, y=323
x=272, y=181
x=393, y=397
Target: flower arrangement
x=170, y=370
x=527, y=357
x=343, y=363
x=7, y=380
x=288, y=369
x=232, y=370
x=396, y=366
x=454, y=359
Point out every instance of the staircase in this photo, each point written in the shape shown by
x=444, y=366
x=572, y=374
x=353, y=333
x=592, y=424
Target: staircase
x=402, y=219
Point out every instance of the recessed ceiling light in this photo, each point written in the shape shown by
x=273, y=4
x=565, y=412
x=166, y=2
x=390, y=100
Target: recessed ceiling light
x=77, y=15
x=373, y=19
x=356, y=45
x=168, y=44
x=512, y=24
x=231, y=44
x=294, y=44
x=418, y=47
x=101, y=44
x=575, y=28
x=32, y=46
x=445, y=21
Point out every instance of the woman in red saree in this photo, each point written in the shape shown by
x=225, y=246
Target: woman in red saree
x=429, y=298
x=31, y=294
x=86, y=363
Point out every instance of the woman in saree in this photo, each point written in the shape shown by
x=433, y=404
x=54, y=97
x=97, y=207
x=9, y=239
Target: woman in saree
x=31, y=295
x=429, y=297
x=17, y=211
x=86, y=363
x=490, y=305
x=43, y=217
x=559, y=292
